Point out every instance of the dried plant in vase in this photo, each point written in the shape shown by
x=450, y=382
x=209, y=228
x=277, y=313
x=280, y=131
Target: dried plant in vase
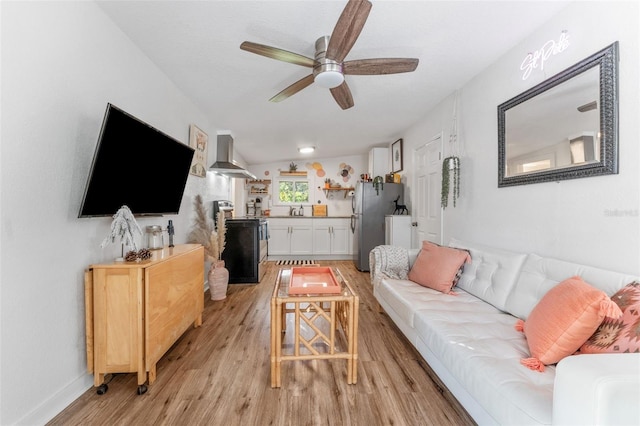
x=213, y=240
x=218, y=274
x=202, y=228
x=221, y=233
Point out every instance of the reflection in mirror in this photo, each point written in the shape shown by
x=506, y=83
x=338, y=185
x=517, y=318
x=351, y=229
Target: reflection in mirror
x=563, y=128
x=556, y=129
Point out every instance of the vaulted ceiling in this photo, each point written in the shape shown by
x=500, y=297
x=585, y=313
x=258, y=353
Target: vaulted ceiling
x=197, y=45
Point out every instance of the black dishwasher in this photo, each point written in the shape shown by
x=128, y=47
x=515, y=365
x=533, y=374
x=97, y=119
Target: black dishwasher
x=245, y=250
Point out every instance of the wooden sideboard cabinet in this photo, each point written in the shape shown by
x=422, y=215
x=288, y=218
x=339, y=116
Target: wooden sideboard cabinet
x=136, y=311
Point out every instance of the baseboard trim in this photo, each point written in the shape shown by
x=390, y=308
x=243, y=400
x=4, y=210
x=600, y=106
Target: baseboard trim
x=58, y=402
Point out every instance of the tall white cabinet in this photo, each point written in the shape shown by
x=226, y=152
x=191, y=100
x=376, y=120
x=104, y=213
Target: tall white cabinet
x=397, y=230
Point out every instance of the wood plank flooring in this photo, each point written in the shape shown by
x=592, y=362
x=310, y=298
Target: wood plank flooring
x=219, y=374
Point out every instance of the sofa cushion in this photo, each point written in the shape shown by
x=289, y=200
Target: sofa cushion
x=437, y=267
x=406, y=298
x=478, y=345
x=619, y=335
x=491, y=274
x=563, y=320
x=540, y=274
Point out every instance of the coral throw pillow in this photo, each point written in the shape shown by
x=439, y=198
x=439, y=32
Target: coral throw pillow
x=437, y=267
x=563, y=320
x=619, y=335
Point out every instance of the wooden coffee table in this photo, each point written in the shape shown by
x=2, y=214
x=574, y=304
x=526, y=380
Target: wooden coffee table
x=325, y=325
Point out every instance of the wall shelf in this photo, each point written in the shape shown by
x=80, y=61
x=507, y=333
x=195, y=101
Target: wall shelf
x=328, y=191
x=258, y=186
x=303, y=173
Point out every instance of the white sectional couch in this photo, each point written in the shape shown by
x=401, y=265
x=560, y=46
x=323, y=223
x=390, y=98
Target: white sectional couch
x=470, y=342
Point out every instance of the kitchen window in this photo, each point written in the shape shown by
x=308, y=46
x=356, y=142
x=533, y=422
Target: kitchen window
x=293, y=191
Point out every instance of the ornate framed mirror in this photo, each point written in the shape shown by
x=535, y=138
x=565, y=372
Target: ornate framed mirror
x=565, y=127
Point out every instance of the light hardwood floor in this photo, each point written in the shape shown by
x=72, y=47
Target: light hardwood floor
x=219, y=374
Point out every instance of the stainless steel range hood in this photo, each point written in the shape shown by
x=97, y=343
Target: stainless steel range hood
x=224, y=164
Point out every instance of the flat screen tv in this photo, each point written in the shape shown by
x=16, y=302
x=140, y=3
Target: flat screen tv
x=135, y=165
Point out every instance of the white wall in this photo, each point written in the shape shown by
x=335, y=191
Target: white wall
x=61, y=63
x=593, y=221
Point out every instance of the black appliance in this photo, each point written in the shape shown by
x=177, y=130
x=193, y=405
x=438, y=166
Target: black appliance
x=245, y=251
x=135, y=165
x=222, y=206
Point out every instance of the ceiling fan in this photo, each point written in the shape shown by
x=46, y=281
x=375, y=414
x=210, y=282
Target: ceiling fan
x=329, y=67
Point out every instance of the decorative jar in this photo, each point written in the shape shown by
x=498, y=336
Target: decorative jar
x=155, y=239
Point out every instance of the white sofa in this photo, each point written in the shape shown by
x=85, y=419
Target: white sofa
x=470, y=342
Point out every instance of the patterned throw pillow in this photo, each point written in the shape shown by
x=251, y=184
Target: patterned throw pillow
x=619, y=335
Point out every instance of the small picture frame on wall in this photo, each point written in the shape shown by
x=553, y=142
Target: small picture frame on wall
x=396, y=156
x=198, y=140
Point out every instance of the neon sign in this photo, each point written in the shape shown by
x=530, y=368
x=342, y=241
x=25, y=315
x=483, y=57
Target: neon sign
x=538, y=58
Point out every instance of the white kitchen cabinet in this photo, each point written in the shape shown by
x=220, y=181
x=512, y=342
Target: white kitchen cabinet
x=302, y=237
x=290, y=236
x=279, y=237
x=331, y=236
x=379, y=162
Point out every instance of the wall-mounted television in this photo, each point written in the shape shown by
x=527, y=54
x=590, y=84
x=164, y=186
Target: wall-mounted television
x=135, y=165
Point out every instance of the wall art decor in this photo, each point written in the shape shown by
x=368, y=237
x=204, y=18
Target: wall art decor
x=345, y=171
x=396, y=156
x=198, y=140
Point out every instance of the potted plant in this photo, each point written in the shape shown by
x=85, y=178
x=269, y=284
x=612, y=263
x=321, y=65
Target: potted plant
x=293, y=167
x=378, y=184
x=450, y=166
x=327, y=183
x=212, y=238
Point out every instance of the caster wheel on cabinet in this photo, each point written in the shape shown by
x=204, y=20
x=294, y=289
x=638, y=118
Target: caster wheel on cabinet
x=142, y=389
x=102, y=389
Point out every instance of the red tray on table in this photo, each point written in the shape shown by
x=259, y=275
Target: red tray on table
x=313, y=280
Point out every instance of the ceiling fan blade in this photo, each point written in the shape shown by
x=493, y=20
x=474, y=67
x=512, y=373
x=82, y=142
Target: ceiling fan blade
x=342, y=95
x=379, y=66
x=276, y=53
x=347, y=29
x=293, y=89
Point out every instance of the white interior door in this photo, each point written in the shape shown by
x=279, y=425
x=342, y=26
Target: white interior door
x=428, y=213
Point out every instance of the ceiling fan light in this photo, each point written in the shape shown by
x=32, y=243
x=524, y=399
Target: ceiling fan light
x=306, y=149
x=329, y=79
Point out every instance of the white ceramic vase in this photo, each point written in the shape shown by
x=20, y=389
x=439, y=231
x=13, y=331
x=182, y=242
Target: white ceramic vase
x=218, y=280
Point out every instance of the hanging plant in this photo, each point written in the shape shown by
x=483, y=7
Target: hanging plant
x=449, y=165
x=378, y=184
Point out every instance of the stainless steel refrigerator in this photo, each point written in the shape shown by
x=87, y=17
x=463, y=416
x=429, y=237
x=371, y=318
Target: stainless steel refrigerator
x=367, y=221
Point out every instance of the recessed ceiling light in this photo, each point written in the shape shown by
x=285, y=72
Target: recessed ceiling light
x=306, y=149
